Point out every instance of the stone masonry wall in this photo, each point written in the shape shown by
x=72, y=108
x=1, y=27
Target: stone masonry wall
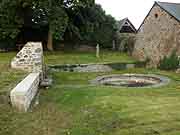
x=24, y=93
x=158, y=36
x=30, y=58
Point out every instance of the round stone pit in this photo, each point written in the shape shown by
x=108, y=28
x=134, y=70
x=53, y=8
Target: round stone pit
x=132, y=80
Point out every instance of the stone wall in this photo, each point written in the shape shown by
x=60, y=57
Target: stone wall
x=23, y=94
x=158, y=36
x=30, y=58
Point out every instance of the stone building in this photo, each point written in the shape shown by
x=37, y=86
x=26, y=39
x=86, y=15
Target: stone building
x=125, y=35
x=125, y=26
x=159, y=34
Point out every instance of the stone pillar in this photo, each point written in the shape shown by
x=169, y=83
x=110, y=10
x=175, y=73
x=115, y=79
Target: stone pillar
x=113, y=45
x=97, y=51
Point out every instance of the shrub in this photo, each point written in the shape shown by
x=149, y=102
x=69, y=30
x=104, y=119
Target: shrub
x=169, y=63
x=7, y=45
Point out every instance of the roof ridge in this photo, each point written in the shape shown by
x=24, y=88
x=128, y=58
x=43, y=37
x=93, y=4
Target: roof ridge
x=168, y=2
x=123, y=19
x=160, y=5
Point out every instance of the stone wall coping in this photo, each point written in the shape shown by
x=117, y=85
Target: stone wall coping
x=24, y=85
x=89, y=64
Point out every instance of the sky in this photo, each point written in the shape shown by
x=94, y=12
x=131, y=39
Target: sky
x=135, y=10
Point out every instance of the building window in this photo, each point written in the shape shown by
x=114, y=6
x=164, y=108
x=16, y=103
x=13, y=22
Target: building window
x=156, y=15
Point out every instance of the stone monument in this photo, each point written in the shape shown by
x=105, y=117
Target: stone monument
x=97, y=50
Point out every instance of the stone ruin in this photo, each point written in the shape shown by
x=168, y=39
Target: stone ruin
x=30, y=58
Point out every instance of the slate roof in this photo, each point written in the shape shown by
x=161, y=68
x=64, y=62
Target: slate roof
x=172, y=8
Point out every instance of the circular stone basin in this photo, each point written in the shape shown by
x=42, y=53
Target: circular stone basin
x=132, y=80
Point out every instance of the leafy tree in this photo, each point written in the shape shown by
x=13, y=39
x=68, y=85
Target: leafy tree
x=106, y=31
x=10, y=22
x=72, y=20
x=13, y=15
x=91, y=24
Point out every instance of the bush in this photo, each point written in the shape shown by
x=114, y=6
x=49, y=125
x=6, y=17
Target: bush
x=169, y=63
x=7, y=45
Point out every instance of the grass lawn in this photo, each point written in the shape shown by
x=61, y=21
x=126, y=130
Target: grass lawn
x=5, y=58
x=73, y=107
x=55, y=58
x=8, y=77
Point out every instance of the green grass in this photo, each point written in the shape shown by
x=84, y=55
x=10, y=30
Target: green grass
x=67, y=78
x=73, y=107
x=5, y=58
x=116, y=111
x=8, y=77
x=55, y=58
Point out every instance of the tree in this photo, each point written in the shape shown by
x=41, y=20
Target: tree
x=52, y=14
x=91, y=24
x=76, y=20
x=40, y=12
x=72, y=20
x=10, y=21
x=57, y=20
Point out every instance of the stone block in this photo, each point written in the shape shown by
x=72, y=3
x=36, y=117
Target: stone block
x=129, y=66
x=23, y=94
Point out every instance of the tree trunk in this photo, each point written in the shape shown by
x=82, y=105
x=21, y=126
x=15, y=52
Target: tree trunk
x=50, y=41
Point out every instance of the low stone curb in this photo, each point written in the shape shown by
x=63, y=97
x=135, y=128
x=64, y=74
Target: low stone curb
x=102, y=67
x=164, y=80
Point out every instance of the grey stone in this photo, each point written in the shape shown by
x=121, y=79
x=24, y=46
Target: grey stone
x=93, y=68
x=38, y=50
x=46, y=82
x=21, y=60
x=25, y=56
x=128, y=66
